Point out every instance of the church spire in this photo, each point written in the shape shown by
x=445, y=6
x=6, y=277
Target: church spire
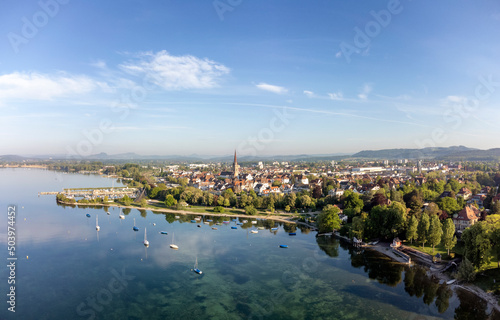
x=236, y=167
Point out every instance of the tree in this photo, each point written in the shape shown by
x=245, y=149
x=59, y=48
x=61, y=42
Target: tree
x=170, y=201
x=435, y=232
x=227, y=203
x=414, y=200
x=352, y=201
x=328, y=219
x=449, y=205
x=466, y=271
x=287, y=208
x=317, y=192
x=358, y=225
x=449, y=240
x=495, y=207
x=250, y=210
x=423, y=228
x=144, y=203
x=411, y=231
x=477, y=244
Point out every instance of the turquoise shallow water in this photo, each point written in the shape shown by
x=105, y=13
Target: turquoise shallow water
x=68, y=270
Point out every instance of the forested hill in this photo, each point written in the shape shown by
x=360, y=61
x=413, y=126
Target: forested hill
x=425, y=153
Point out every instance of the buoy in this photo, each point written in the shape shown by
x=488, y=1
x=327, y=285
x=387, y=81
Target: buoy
x=26, y=257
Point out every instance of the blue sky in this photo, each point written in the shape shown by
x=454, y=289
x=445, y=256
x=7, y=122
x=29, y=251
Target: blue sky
x=262, y=77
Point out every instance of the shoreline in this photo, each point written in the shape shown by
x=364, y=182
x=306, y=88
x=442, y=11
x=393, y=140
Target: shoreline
x=489, y=298
x=186, y=212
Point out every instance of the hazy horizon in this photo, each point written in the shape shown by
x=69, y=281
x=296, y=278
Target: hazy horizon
x=261, y=77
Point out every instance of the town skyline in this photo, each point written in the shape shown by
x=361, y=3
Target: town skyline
x=262, y=78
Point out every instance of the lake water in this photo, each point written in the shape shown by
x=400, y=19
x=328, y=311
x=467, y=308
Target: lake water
x=68, y=270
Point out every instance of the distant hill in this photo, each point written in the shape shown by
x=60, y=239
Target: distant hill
x=475, y=155
x=425, y=153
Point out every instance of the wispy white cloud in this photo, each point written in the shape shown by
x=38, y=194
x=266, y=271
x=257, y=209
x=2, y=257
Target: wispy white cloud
x=309, y=94
x=367, y=88
x=336, y=96
x=38, y=86
x=176, y=72
x=272, y=88
x=454, y=100
x=338, y=54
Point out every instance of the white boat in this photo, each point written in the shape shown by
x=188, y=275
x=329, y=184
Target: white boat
x=195, y=269
x=244, y=221
x=146, y=242
x=121, y=216
x=206, y=222
x=254, y=231
x=254, y=222
x=260, y=228
x=97, y=224
x=451, y=281
x=173, y=246
x=197, y=218
x=177, y=217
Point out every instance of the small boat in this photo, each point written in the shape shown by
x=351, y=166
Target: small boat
x=225, y=221
x=239, y=223
x=198, y=271
x=97, y=224
x=233, y=219
x=197, y=218
x=245, y=221
x=274, y=229
x=146, y=242
x=135, y=228
x=193, y=221
x=88, y=215
x=292, y=234
x=177, y=217
x=260, y=228
x=109, y=213
x=254, y=222
x=234, y=228
x=206, y=222
x=254, y=231
x=163, y=232
x=214, y=228
x=283, y=246
x=121, y=216
x=209, y=220
x=173, y=246
x=199, y=226
x=451, y=281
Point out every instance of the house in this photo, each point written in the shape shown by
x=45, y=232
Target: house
x=396, y=243
x=477, y=199
x=466, y=218
x=464, y=193
x=336, y=192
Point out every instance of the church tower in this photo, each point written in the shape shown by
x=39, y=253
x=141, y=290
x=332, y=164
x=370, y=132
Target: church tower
x=236, y=167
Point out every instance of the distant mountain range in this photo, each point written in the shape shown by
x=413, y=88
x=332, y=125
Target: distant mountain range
x=455, y=153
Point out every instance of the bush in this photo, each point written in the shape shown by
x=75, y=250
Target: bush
x=219, y=209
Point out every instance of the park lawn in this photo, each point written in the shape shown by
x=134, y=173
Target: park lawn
x=428, y=249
